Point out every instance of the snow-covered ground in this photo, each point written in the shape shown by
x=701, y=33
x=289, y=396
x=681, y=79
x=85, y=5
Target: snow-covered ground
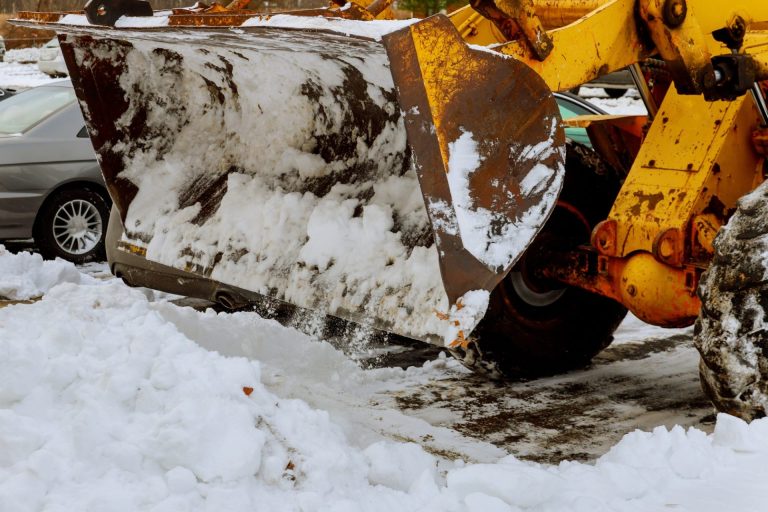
x=110, y=400
x=19, y=70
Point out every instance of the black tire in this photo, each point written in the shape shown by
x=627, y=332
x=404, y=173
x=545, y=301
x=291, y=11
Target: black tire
x=93, y=209
x=558, y=328
x=615, y=93
x=731, y=333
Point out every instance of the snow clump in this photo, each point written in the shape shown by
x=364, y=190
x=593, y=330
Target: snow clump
x=26, y=276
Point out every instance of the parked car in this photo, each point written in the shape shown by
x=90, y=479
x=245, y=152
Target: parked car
x=571, y=106
x=51, y=188
x=2, y=49
x=51, y=60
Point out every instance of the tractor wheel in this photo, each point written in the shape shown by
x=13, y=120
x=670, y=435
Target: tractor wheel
x=534, y=327
x=731, y=333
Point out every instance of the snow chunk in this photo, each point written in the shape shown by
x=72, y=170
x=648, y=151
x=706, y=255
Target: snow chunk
x=465, y=315
x=399, y=465
x=26, y=275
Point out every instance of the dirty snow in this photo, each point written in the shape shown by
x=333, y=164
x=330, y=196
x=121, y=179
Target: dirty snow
x=492, y=237
x=465, y=315
x=111, y=402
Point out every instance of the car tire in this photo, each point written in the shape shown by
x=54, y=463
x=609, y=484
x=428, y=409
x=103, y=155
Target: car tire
x=72, y=225
x=615, y=93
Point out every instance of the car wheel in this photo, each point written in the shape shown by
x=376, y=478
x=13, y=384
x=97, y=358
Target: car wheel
x=615, y=93
x=72, y=225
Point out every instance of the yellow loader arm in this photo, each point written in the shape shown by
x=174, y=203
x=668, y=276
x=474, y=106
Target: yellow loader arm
x=590, y=38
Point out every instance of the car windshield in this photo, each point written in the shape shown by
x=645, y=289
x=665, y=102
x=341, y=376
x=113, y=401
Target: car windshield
x=21, y=112
x=569, y=109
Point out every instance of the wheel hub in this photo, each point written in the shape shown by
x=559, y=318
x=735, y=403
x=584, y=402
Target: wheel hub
x=532, y=294
x=77, y=226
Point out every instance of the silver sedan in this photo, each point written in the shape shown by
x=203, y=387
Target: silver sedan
x=51, y=188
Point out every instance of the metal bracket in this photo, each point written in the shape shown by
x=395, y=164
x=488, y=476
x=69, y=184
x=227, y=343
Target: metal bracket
x=107, y=12
x=515, y=18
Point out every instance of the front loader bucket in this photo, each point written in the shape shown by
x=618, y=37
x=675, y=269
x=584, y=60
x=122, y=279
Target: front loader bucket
x=289, y=163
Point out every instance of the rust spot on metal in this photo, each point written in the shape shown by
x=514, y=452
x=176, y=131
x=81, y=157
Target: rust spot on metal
x=760, y=141
x=652, y=199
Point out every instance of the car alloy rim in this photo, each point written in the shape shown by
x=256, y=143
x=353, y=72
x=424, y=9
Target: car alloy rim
x=77, y=226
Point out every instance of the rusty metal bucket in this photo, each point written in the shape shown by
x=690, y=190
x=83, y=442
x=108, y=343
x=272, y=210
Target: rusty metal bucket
x=392, y=182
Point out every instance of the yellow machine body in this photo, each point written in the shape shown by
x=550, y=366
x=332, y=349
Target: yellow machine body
x=696, y=160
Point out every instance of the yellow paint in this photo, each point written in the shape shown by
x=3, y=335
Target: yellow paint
x=657, y=293
x=696, y=154
x=607, y=40
x=132, y=248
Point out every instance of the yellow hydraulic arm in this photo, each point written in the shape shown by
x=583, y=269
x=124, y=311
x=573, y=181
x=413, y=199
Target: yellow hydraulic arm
x=595, y=37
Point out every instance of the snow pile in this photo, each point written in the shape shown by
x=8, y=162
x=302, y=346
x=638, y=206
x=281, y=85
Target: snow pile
x=21, y=76
x=630, y=104
x=22, y=55
x=27, y=276
x=108, y=404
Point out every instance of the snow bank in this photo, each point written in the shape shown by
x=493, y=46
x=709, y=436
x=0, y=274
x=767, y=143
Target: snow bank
x=21, y=76
x=26, y=275
x=22, y=55
x=107, y=403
